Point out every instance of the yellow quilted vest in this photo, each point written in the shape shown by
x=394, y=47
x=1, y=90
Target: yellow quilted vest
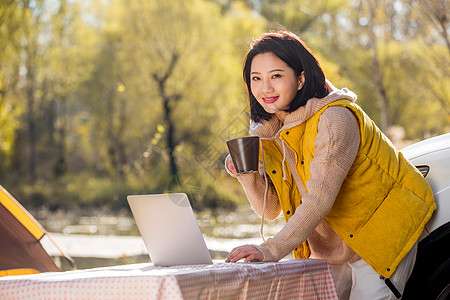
x=384, y=202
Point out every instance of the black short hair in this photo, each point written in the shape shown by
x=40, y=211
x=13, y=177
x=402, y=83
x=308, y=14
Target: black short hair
x=293, y=51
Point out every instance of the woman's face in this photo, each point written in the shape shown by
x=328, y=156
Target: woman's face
x=273, y=83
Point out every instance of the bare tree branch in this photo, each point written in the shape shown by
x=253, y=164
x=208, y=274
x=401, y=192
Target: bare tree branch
x=437, y=11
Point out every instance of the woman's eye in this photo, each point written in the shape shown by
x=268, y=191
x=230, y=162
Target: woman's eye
x=255, y=78
x=276, y=76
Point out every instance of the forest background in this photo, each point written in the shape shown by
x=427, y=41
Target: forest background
x=104, y=98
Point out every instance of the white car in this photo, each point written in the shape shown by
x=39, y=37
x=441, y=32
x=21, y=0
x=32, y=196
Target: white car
x=431, y=275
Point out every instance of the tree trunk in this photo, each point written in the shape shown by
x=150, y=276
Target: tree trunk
x=384, y=106
x=168, y=101
x=112, y=151
x=30, y=52
x=31, y=122
x=120, y=145
x=61, y=162
x=170, y=136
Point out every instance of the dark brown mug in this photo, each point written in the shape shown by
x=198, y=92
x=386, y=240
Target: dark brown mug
x=245, y=153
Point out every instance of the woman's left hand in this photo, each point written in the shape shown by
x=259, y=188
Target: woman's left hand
x=248, y=252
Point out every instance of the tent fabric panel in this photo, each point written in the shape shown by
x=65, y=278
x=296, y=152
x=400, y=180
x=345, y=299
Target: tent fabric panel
x=21, y=214
x=19, y=248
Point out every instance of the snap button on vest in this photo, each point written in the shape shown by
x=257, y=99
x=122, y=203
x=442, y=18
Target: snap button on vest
x=302, y=162
x=288, y=212
x=351, y=235
x=274, y=172
x=287, y=132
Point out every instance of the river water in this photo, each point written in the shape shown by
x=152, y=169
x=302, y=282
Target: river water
x=99, y=237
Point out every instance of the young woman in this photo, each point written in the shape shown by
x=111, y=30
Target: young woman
x=346, y=193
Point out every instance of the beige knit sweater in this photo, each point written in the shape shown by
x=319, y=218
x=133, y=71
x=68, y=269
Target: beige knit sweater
x=336, y=145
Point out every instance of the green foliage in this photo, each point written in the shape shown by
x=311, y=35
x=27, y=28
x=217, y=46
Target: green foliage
x=421, y=100
x=84, y=84
x=8, y=123
x=10, y=110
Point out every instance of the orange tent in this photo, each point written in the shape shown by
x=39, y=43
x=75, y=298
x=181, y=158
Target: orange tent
x=20, y=249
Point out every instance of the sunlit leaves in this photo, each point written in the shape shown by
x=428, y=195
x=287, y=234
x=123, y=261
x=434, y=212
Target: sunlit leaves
x=95, y=68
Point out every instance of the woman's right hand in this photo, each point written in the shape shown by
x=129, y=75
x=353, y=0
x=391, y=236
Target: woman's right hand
x=229, y=166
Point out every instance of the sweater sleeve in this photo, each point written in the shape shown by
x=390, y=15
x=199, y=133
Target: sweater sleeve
x=254, y=186
x=337, y=144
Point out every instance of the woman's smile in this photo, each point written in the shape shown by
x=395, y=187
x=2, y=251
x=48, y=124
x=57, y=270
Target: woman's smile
x=269, y=100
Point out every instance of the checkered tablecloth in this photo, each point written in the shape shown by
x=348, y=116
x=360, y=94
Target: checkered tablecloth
x=290, y=279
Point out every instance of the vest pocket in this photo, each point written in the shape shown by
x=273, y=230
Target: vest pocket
x=393, y=227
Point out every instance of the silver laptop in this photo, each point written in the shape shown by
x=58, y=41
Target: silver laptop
x=169, y=229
